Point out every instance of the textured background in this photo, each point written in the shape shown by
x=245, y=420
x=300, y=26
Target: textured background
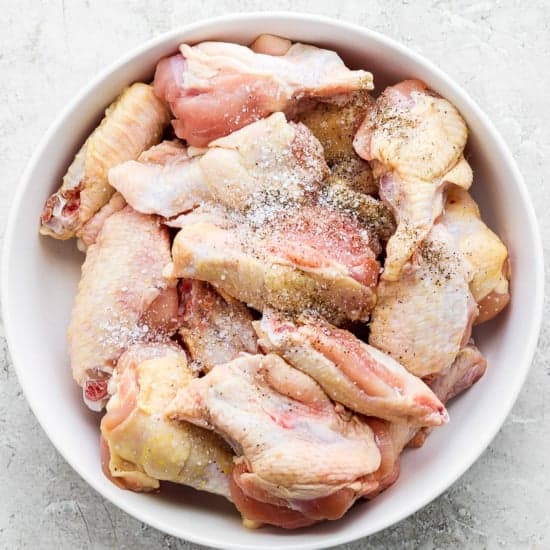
x=499, y=51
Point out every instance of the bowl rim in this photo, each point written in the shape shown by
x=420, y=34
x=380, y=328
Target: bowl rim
x=503, y=151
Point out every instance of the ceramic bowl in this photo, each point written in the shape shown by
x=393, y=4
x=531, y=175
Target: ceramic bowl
x=40, y=275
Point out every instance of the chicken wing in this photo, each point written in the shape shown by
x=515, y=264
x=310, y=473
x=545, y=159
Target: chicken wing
x=425, y=318
x=482, y=249
x=215, y=328
x=414, y=141
x=165, y=181
x=133, y=123
x=310, y=259
x=140, y=446
x=294, y=445
x=352, y=373
x=334, y=123
x=215, y=88
x=122, y=298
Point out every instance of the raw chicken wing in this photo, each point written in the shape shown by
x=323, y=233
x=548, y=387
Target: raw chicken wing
x=314, y=259
x=296, y=447
x=133, y=123
x=351, y=372
x=270, y=161
x=414, y=141
x=425, y=318
x=122, y=298
x=215, y=88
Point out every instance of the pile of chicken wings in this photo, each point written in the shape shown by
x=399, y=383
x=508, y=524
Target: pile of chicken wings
x=281, y=276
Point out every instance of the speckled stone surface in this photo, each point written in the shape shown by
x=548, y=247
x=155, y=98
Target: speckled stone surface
x=500, y=51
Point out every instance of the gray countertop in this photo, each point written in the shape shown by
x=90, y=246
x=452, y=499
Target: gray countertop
x=499, y=51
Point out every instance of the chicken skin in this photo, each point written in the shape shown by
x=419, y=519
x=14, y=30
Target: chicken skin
x=425, y=318
x=351, y=372
x=215, y=88
x=140, y=446
x=122, y=298
x=306, y=259
x=164, y=180
x=482, y=249
x=414, y=141
x=295, y=447
x=215, y=328
x=133, y=123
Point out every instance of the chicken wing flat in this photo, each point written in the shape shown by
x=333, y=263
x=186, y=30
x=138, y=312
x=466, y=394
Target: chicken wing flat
x=122, y=298
x=295, y=446
x=215, y=328
x=140, y=446
x=133, y=123
x=312, y=259
x=425, y=318
x=215, y=88
x=351, y=372
x=482, y=249
x=414, y=141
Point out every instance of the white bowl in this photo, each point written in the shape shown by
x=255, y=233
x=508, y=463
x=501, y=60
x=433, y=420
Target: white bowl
x=40, y=276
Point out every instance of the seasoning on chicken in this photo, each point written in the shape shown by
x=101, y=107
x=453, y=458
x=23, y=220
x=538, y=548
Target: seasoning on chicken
x=425, y=318
x=334, y=122
x=371, y=213
x=122, y=298
x=215, y=328
x=414, y=141
x=295, y=448
x=482, y=249
x=215, y=88
x=302, y=259
x=351, y=372
x=270, y=161
x=139, y=446
x=164, y=180
x=133, y=123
